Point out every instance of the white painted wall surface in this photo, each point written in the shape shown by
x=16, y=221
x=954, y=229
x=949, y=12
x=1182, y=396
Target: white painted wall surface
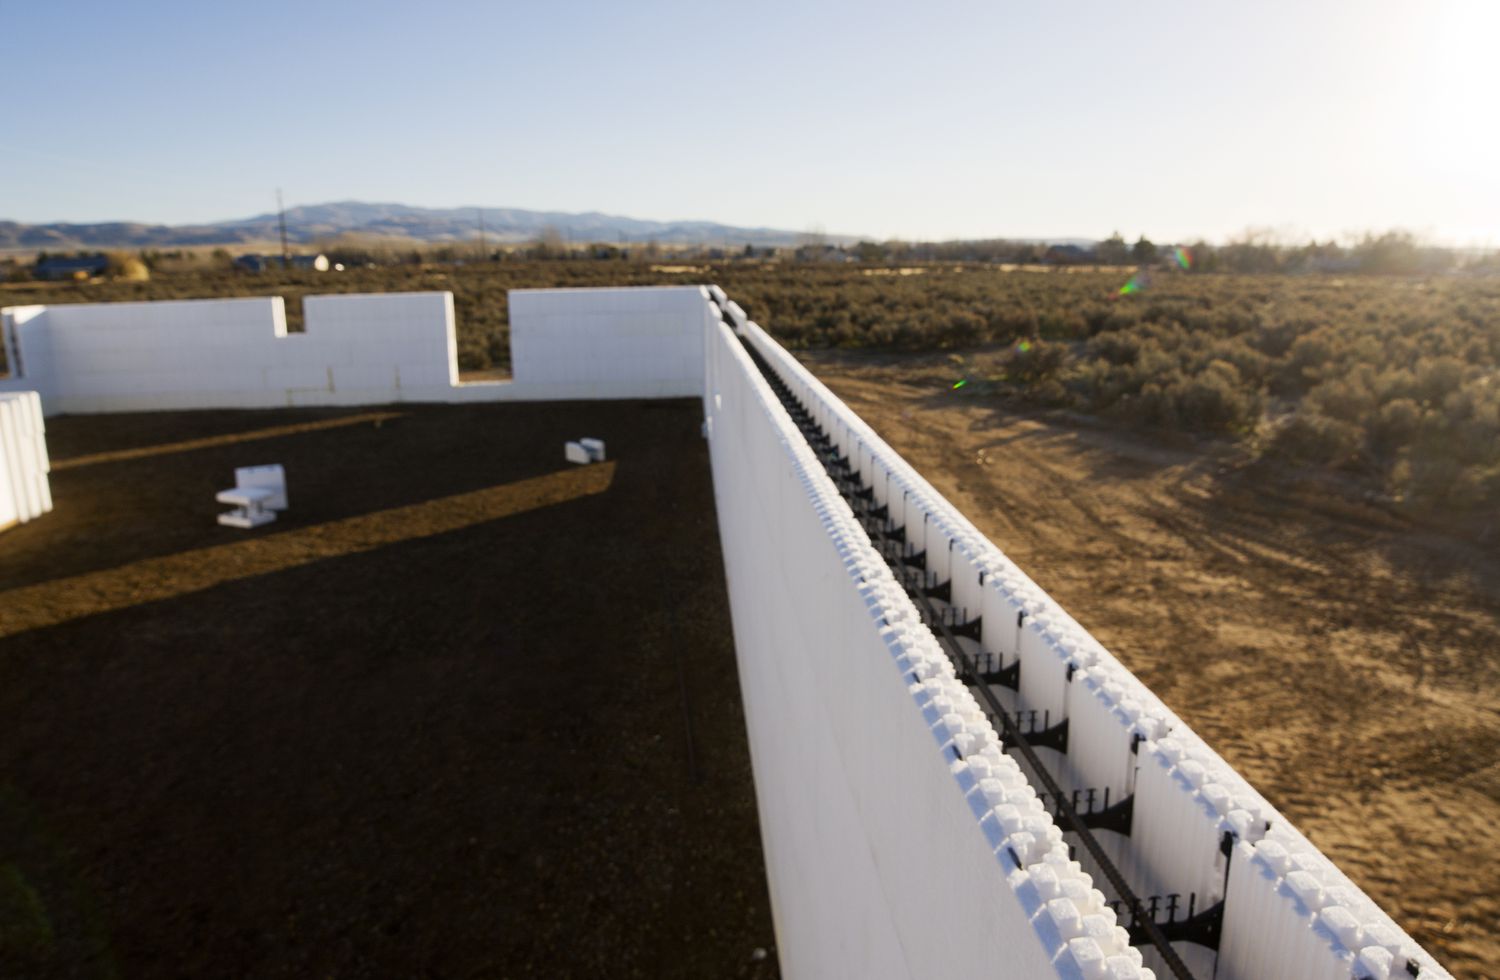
x=24, y=491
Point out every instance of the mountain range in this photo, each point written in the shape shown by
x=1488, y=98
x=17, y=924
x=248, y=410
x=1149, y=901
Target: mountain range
x=398, y=222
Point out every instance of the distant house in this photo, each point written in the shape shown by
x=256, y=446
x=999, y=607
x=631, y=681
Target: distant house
x=823, y=253
x=260, y=263
x=1068, y=255
x=316, y=263
x=75, y=267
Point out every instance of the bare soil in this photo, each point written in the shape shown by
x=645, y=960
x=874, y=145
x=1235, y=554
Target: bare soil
x=463, y=711
x=1344, y=658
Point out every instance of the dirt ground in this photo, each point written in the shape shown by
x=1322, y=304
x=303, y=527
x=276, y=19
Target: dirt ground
x=465, y=711
x=1345, y=659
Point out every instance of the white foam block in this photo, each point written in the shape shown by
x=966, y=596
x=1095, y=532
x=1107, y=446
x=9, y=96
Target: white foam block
x=270, y=478
x=245, y=496
x=575, y=453
x=595, y=448
x=246, y=519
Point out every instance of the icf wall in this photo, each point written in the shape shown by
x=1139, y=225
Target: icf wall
x=24, y=491
x=900, y=841
x=355, y=350
x=1198, y=827
x=641, y=342
x=234, y=353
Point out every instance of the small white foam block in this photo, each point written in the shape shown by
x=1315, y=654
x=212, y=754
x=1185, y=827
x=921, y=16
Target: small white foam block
x=595, y=448
x=245, y=518
x=252, y=504
x=246, y=496
x=270, y=477
x=575, y=453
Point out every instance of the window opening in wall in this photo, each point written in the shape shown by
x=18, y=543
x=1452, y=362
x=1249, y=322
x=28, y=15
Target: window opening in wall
x=296, y=319
x=10, y=361
x=483, y=322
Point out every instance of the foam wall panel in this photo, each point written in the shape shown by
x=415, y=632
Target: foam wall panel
x=1292, y=916
x=357, y=349
x=877, y=779
x=644, y=342
x=25, y=493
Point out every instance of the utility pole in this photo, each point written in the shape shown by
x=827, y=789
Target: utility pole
x=484, y=252
x=281, y=218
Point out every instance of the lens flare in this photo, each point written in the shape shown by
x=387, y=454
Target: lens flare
x=960, y=383
x=1136, y=284
x=1183, y=257
x=1023, y=346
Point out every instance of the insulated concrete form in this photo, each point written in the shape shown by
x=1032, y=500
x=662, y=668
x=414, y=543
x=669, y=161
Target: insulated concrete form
x=645, y=342
x=877, y=861
x=355, y=350
x=24, y=491
x=1198, y=827
x=234, y=353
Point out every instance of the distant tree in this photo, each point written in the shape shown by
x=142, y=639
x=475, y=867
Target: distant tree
x=1205, y=257
x=813, y=238
x=1254, y=250
x=549, y=244
x=870, y=252
x=1113, y=250
x=1488, y=262
x=1393, y=253
x=122, y=265
x=1143, y=252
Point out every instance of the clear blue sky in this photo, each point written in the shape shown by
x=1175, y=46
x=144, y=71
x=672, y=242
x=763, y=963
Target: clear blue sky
x=915, y=120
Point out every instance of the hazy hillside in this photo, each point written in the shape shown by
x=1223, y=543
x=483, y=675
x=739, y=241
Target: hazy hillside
x=312, y=222
x=63, y=236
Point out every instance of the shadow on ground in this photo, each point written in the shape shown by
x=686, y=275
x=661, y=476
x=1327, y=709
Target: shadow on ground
x=510, y=748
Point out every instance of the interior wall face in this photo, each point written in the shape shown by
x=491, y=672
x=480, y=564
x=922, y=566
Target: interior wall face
x=24, y=490
x=236, y=353
x=642, y=342
x=356, y=350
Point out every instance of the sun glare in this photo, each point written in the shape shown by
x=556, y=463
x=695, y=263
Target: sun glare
x=1463, y=81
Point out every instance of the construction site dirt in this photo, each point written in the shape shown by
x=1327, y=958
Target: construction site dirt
x=464, y=710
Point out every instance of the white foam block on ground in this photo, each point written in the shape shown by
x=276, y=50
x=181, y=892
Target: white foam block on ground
x=575, y=453
x=246, y=496
x=246, y=519
x=270, y=478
